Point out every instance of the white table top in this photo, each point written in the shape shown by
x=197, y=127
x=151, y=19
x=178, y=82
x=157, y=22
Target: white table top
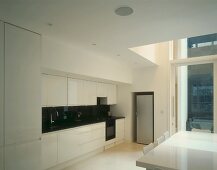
x=183, y=151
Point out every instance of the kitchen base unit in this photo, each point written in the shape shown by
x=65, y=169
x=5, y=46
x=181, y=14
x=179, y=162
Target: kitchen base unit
x=23, y=156
x=65, y=147
x=1, y=158
x=119, y=134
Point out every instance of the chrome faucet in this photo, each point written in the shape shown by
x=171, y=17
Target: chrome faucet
x=51, y=119
x=79, y=115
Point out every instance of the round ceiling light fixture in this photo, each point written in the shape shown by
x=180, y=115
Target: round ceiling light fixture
x=124, y=11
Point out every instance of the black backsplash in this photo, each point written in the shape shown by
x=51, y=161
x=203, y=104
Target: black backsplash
x=73, y=113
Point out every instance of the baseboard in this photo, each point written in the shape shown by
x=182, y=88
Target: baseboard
x=109, y=146
x=114, y=143
x=119, y=142
x=76, y=160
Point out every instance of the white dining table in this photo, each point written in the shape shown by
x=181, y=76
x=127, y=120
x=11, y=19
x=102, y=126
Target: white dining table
x=183, y=151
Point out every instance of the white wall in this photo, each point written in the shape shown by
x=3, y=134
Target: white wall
x=124, y=108
x=72, y=59
x=147, y=51
x=147, y=79
x=156, y=79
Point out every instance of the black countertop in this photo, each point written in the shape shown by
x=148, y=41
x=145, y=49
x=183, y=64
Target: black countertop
x=72, y=124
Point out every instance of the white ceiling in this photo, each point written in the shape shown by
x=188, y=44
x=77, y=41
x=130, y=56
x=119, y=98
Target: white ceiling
x=85, y=22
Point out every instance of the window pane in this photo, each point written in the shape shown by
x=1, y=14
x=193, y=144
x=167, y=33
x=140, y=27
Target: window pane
x=202, y=45
x=198, y=46
x=200, y=97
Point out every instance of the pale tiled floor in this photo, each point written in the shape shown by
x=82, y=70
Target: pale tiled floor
x=120, y=157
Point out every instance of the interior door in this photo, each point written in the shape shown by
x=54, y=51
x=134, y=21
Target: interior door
x=145, y=118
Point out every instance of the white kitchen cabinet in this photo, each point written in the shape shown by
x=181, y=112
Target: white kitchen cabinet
x=67, y=145
x=102, y=90
x=81, y=92
x=1, y=94
x=83, y=134
x=109, y=91
x=112, y=94
x=44, y=87
x=56, y=88
x=23, y=156
x=1, y=158
x=49, y=150
x=120, y=128
x=22, y=85
x=92, y=145
x=75, y=92
x=78, y=141
x=1, y=85
x=90, y=93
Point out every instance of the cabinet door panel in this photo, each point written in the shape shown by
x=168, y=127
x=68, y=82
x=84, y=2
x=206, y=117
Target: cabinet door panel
x=49, y=150
x=56, y=90
x=91, y=146
x=75, y=92
x=112, y=94
x=98, y=133
x=22, y=85
x=120, y=128
x=102, y=90
x=44, y=87
x=1, y=158
x=83, y=134
x=90, y=93
x=98, y=126
x=67, y=145
x=24, y=156
x=1, y=84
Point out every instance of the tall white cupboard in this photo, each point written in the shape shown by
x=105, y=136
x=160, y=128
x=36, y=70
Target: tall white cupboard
x=20, y=85
x=1, y=93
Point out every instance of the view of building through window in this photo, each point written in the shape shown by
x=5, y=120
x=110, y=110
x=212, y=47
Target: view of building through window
x=202, y=45
x=200, y=83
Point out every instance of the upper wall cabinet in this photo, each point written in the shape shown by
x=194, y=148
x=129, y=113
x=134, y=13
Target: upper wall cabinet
x=1, y=92
x=102, y=90
x=22, y=85
x=109, y=91
x=81, y=92
x=62, y=91
x=75, y=92
x=44, y=87
x=112, y=94
x=54, y=90
x=90, y=93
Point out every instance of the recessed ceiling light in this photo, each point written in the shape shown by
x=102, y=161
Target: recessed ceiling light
x=124, y=11
x=94, y=44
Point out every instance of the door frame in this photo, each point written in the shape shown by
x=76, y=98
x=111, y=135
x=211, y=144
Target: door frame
x=135, y=111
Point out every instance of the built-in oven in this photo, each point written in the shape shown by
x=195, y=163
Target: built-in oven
x=110, y=129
